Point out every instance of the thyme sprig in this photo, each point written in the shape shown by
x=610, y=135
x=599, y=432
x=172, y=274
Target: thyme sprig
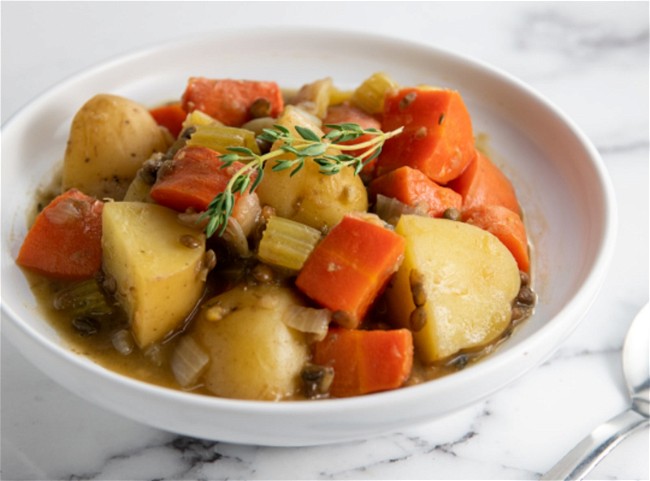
x=306, y=145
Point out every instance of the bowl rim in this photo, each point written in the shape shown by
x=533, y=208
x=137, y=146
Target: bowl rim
x=560, y=326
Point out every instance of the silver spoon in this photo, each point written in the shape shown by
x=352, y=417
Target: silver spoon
x=636, y=367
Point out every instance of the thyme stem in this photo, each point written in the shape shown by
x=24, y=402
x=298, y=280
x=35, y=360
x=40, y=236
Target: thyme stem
x=307, y=146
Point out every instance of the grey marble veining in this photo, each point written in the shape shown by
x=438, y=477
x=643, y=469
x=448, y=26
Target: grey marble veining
x=573, y=36
x=588, y=58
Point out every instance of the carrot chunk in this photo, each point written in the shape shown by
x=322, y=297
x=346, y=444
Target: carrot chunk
x=437, y=138
x=230, y=101
x=65, y=240
x=366, y=361
x=413, y=188
x=196, y=176
x=345, y=113
x=483, y=183
x=170, y=116
x=506, y=225
x=348, y=269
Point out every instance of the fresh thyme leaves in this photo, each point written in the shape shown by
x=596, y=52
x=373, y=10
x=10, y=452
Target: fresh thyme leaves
x=306, y=145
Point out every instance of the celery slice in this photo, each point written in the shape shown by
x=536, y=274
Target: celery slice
x=286, y=243
x=83, y=298
x=338, y=97
x=196, y=118
x=369, y=96
x=220, y=138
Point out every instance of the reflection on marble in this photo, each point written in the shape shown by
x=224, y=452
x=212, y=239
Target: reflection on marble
x=590, y=59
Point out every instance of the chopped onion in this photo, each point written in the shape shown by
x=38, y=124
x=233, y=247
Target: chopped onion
x=123, y=342
x=248, y=213
x=258, y=124
x=188, y=361
x=68, y=210
x=154, y=354
x=235, y=238
x=309, y=320
x=391, y=209
x=193, y=219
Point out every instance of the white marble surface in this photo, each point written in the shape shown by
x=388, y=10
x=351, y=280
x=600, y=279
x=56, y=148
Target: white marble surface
x=591, y=59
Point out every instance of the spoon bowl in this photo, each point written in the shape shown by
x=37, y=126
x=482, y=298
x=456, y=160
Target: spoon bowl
x=636, y=352
x=636, y=368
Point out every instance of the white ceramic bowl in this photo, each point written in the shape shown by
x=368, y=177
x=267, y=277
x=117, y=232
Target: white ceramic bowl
x=560, y=179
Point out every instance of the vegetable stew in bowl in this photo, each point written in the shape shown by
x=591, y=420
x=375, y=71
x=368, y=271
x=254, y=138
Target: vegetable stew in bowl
x=249, y=242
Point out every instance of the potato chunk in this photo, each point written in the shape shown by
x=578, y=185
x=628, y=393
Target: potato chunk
x=462, y=277
x=309, y=197
x=253, y=353
x=156, y=262
x=110, y=138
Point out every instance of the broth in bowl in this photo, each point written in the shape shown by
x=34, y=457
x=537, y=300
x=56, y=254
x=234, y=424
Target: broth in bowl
x=249, y=243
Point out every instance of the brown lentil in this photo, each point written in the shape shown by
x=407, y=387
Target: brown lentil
x=416, y=281
x=407, y=100
x=190, y=241
x=316, y=380
x=451, y=213
x=343, y=319
x=86, y=326
x=260, y=108
x=263, y=274
x=209, y=260
x=526, y=296
x=418, y=319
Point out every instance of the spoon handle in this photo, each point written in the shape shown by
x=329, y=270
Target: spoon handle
x=592, y=449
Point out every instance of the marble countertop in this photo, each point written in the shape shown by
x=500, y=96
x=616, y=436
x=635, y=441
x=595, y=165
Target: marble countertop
x=589, y=58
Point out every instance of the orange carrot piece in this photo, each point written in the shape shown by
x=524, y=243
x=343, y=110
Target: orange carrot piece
x=366, y=361
x=507, y=226
x=229, y=101
x=65, y=240
x=195, y=178
x=350, y=266
x=483, y=183
x=437, y=138
x=413, y=188
x=170, y=116
x=345, y=113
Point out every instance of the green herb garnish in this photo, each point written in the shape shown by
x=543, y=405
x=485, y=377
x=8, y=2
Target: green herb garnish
x=307, y=145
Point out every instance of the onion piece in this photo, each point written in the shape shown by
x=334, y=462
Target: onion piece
x=123, y=341
x=66, y=211
x=391, y=209
x=188, y=361
x=235, y=238
x=308, y=320
x=258, y=124
x=193, y=219
x=248, y=212
x=154, y=354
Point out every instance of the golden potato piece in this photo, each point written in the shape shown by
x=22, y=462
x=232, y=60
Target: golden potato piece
x=317, y=200
x=253, y=353
x=110, y=138
x=156, y=262
x=462, y=277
